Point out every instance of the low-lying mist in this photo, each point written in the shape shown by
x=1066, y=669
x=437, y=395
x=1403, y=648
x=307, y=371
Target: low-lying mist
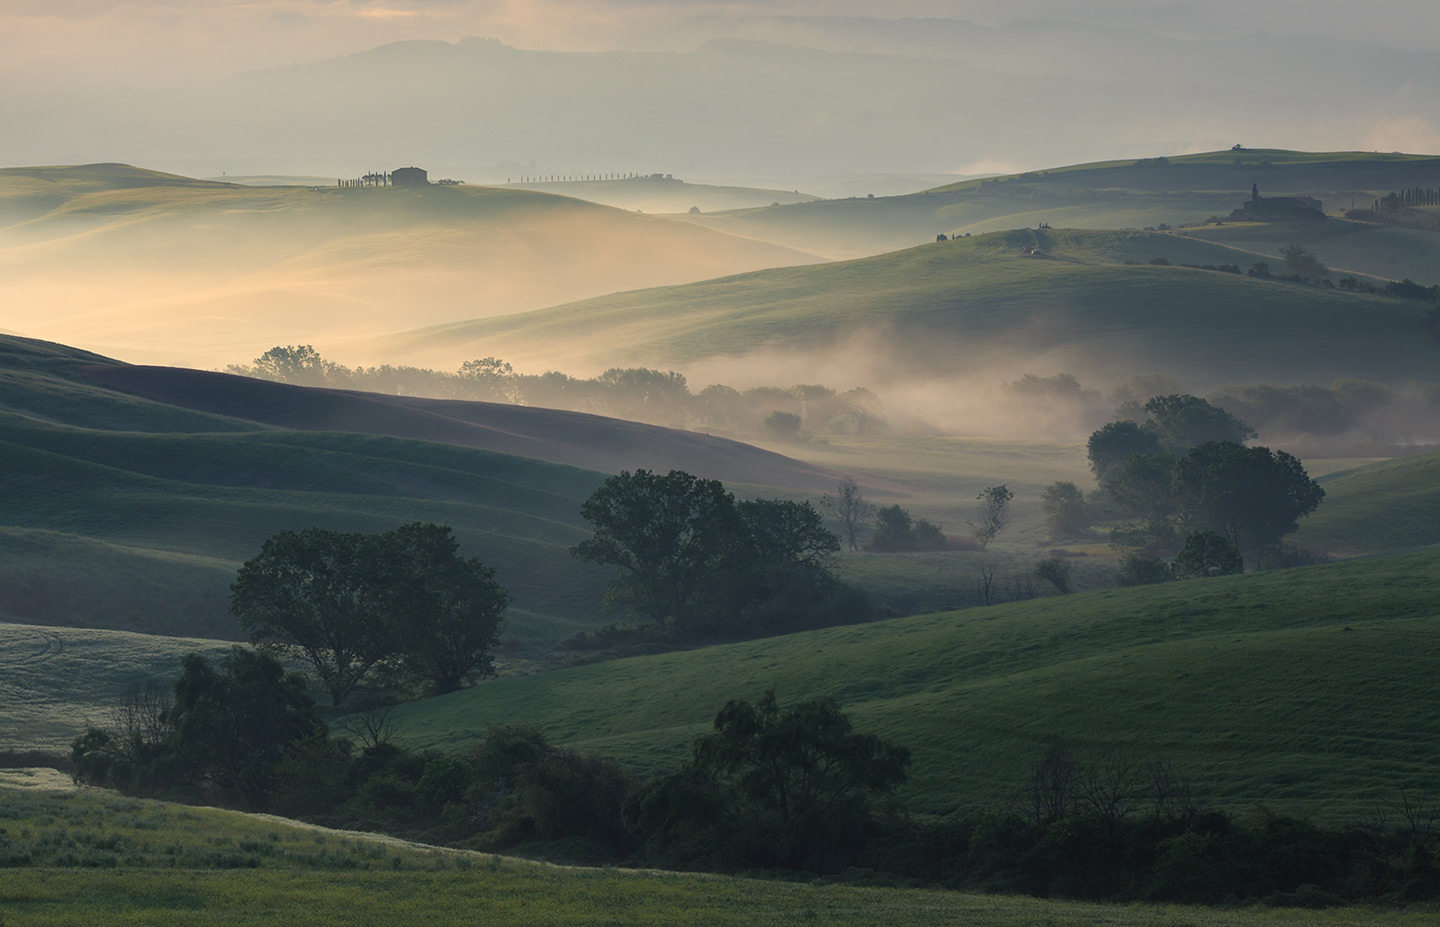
x=1349, y=418
x=199, y=275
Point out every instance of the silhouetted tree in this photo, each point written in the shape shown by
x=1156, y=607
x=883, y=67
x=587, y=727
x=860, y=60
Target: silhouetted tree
x=850, y=507
x=994, y=513
x=1065, y=510
x=1250, y=495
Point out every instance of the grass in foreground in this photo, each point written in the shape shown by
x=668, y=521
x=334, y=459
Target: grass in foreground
x=96, y=858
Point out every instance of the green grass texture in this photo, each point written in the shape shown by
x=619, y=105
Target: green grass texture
x=1392, y=505
x=1310, y=690
x=93, y=858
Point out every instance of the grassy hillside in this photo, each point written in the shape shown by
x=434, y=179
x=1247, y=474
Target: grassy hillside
x=977, y=306
x=1387, y=506
x=1389, y=251
x=192, y=507
x=1111, y=194
x=1309, y=690
x=89, y=857
x=55, y=680
x=173, y=270
x=133, y=493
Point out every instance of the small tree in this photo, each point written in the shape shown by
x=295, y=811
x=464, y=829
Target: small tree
x=928, y=536
x=1301, y=263
x=1065, y=510
x=1207, y=554
x=894, y=530
x=850, y=507
x=1142, y=569
x=994, y=513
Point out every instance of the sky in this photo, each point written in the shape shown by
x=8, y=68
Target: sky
x=147, y=41
x=186, y=85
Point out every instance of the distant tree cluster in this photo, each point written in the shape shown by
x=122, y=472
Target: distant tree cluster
x=635, y=393
x=695, y=563
x=1186, y=469
x=895, y=530
x=397, y=608
x=1359, y=410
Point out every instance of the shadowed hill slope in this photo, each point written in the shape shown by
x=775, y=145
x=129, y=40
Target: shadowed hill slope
x=574, y=438
x=133, y=493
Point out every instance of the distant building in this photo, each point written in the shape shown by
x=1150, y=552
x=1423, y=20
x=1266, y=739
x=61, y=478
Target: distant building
x=409, y=177
x=1262, y=208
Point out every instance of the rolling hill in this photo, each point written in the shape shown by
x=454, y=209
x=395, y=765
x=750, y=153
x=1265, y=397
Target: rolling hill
x=1142, y=193
x=163, y=268
x=1090, y=303
x=1391, y=505
x=133, y=493
x=661, y=195
x=1309, y=690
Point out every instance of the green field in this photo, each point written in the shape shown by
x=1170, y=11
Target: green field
x=1309, y=690
x=982, y=308
x=1388, y=506
x=54, y=681
x=90, y=857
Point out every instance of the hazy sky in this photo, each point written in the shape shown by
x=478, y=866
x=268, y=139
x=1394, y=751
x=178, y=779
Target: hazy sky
x=155, y=82
x=153, y=40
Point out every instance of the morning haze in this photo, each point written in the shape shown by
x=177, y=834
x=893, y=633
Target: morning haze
x=915, y=463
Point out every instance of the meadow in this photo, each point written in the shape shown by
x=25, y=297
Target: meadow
x=87, y=857
x=1307, y=690
x=1384, y=506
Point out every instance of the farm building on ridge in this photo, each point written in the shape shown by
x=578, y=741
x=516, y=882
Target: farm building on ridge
x=409, y=177
x=1260, y=208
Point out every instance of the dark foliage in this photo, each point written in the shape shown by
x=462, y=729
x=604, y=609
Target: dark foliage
x=1251, y=495
x=225, y=732
x=696, y=564
x=785, y=788
x=1207, y=554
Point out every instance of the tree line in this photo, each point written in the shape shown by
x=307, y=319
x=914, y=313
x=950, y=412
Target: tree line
x=635, y=393
x=771, y=788
x=1370, y=412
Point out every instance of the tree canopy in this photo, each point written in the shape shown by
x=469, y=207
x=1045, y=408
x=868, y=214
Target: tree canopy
x=790, y=787
x=351, y=604
x=1251, y=496
x=692, y=560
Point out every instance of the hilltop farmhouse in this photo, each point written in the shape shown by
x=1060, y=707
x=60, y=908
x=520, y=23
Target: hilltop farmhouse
x=1262, y=208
